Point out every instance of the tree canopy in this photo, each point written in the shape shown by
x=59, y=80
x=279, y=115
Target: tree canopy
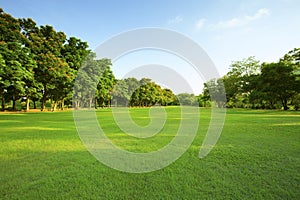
x=39, y=65
x=251, y=84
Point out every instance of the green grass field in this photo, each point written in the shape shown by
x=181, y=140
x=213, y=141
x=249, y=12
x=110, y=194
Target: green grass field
x=256, y=157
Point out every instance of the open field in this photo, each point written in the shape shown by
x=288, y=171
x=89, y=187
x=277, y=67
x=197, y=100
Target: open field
x=256, y=157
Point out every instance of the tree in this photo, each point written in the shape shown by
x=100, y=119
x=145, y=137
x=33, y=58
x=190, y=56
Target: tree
x=149, y=94
x=3, y=82
x=203, y=100
x=120, y=94
x=292, y=58
x=58, y=60
x=73, y=53
x=186, y=99
x=46, y=44
x=239, y=81
x=106, y=83
x=17, y=62
x=133, y=84
x=168, y=97
x=85, y=85
x=37, y=61
x=246, y=67
x=279, y=82
x=94, y=83
x=215, y=91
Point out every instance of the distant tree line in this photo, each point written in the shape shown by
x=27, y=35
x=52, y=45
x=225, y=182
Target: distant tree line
x=144, y=92
x=38, y=65
x=251, y=84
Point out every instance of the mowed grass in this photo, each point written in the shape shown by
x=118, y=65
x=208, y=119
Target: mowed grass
x=256, y=157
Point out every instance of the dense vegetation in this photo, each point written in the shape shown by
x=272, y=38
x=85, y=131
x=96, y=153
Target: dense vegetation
x=250, y=84
x=38, y=65
x=41, y=64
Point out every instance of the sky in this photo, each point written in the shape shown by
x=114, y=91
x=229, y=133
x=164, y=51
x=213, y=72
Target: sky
x=227, y=30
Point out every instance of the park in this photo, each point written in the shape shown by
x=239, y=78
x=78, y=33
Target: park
x=44, y=76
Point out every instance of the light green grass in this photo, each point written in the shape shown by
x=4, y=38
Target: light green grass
x=256, y=157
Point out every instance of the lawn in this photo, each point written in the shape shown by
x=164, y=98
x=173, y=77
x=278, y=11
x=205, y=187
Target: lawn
x=256, y=157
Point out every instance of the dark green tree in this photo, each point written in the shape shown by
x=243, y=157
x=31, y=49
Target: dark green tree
x=239, y=81
x=17, y=63
x=279, y=82
x=148, y=94
x=106, y=83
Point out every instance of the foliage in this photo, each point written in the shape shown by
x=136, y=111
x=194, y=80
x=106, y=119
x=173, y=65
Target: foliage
x=149, y=93
x=186, y=99
x=278, y=82
x=249, y=84
x=37, y=62
x=40, y=63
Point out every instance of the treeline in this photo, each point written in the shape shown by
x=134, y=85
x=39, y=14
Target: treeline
x=39, y=65
x=144, y=92
x=251, y=84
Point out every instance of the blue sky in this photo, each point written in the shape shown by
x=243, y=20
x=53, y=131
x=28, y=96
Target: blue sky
x=227, y=30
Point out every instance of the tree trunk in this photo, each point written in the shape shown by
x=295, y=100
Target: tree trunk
x=76, y=104
x=43, y=105
x=44, y=98
x=34, y=104
x=2, y=100
x=90, y=103
x=284, y=104
x=62, y=104
x=27, y=104
x=54, y=106
x=14, y=107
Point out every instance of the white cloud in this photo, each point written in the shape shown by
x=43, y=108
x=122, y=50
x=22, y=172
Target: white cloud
x=243, y=20
x=200, y=23
x=176, y=20
x=259, y=14
x=230, y=23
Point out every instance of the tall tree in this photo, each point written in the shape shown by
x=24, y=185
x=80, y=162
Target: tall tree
x=120, y=95
x=106, y=83
x=215, y=91
x=94, y=83
x=16, y=60
x=238, y=81
x=73, y=53
x=86, y=83
x=279, y=82
x=292, y=58
x=3, y=82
